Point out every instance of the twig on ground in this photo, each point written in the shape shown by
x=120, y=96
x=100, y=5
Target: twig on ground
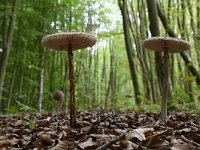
x=109, y=143
x=187, y=140
x=156, y=136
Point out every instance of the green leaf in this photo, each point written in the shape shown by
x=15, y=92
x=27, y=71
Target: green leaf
x=190, y=78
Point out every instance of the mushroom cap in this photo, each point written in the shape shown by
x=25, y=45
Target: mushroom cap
x=61, y=41
x=58, y=95
x=174, y=45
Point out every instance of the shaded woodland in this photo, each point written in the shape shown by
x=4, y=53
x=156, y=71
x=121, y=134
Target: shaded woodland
x=116, y=73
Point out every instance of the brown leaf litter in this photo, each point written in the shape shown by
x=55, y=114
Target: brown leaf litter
x=109, y=130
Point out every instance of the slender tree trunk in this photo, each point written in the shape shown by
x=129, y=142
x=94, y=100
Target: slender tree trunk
x=41, y=81
x=104, y=80
x=112, y=74
x=148, y=74
x=155, y=31
x=7, y=33
x=195, y=37
x=12, y=85
x=184, y=55
x=153, y=82
x=129, y=49
x=198, y=31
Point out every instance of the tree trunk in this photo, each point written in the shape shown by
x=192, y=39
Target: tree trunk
x=104, y=80
x=7, y=34
x=194, y=32
x=129, y=49
x=12, y=85
x=198, y=31
x=41, y=81
x=183, y=54
x=154, y=28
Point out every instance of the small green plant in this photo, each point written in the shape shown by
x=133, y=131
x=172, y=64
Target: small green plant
x=24, y=108
x=150, y=107
x=181, y=101
x=31, y=124
x=12, y=110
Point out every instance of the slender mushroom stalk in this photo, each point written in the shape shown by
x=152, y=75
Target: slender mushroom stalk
x=58, y=96
x=165, y=44
x=72, y=86
x=70, y=41
x=165, y=85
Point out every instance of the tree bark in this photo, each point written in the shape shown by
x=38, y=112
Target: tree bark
x=12, y=85
x=183, y=54
x=41, y=81
x=7, y=34
x=198, y=31
x=129, y=49
x=155, y=31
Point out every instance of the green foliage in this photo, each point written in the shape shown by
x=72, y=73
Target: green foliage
x=31, y=124
x=190, y=78
x=181, y=101
x=20, y=108
x=34, y=19
x=25, y=108
x=12, y=110
x=150, y=108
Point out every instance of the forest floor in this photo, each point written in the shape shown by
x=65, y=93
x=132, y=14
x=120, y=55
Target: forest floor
x=109, y=130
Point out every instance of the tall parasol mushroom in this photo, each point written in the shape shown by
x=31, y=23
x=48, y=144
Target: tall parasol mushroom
x=69, y=41
x=166, y=45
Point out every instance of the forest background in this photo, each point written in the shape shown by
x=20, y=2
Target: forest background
x=116, y=73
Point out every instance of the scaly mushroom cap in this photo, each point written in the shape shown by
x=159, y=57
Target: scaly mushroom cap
x=174, y=45
x=61, y=41
x=58, y=95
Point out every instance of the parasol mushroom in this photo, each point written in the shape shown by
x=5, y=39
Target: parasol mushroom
x=58, y=96
x=166, y=45
x=69, y=41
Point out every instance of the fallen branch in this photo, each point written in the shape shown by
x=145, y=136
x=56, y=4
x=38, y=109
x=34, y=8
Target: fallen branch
x=95, y=124
x=109, y=143
x=187, y=140
x=155, y=137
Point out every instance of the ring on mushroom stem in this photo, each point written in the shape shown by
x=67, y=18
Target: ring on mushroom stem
x=70, y=41
x=166, y=45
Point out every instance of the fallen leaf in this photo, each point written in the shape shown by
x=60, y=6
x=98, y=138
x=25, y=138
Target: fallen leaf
x=182, y=147
x=138, y=134
x=88, y=143
x=62, y=145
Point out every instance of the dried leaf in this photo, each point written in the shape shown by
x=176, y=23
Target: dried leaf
x=88, y=143
x=4, y=142
x=194, y=137
x=127, y=145
x=62, y=145
x=138, y=134
x=182, y=147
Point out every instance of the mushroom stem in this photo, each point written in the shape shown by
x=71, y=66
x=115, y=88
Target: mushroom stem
x=72, y=88
x=58, y=106
x=163, y=116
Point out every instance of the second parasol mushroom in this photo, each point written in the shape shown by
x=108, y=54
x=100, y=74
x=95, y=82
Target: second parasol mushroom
x=166, y=45
x=70, y=41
